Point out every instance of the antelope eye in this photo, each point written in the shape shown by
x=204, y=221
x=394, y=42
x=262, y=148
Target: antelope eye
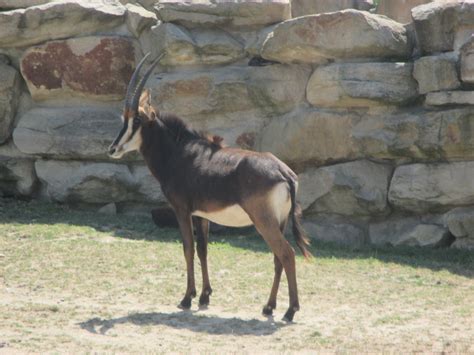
x=136, y=121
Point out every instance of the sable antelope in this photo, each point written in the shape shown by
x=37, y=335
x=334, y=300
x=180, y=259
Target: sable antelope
x=205, y=181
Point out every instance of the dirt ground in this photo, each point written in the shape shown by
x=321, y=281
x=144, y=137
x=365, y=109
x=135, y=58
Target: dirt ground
x=71, y=283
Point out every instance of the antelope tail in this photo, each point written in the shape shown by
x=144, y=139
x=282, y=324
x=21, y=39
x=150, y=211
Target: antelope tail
x=298, y=232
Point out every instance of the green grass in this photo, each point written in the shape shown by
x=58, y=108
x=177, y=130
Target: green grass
x=79, y=281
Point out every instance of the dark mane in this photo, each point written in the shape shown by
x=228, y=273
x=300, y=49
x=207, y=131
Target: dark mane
x=183, y=132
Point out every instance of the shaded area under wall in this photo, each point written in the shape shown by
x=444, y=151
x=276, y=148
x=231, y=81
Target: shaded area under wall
x=138, y=227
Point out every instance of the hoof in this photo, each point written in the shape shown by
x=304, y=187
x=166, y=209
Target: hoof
x=204, y=298
x=267, y=310
x=185, y=303
x=290, y=313
x=204, y=301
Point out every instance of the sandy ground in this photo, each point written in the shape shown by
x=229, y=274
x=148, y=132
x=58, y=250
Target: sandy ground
x=60, y=323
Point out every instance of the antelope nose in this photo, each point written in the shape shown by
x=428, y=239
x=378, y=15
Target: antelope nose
x=112, y=150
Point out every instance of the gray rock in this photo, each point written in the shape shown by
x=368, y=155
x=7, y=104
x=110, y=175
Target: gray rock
x=98, y=183
x=138, y=19
x=176, y=41
x=337, y=35
x=460, y=222
x=416, y=135
x=463, y=243
x=432, y=187
x=334, y=229
x=10, y=150
x=399, y=11
x=21, y=4
x=254, y=40
x=467, y=61
x=310, y=7
x=17, y=176
x=435, y=73
x=67, y=133
x=354, y=189
x=97, y=67
x=310, y=135
x=109, y=209
x=202, y=46
x=361, y=85
x=58, y=19
x=325, y=136
x=408, y=232
x=149, y=189
x=17, y=172
x=217, y=47
x=233, y=102
x=447, y=98
x=222, y=13
x=200, y=94
x=9, y=94
x=438, y=23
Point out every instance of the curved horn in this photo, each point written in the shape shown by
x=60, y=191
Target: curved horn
x=133, y=82
x=141, y=84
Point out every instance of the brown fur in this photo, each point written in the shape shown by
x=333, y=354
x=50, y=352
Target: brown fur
x=198, y=173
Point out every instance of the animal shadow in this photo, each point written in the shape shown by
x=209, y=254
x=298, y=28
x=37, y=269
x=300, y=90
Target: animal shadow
x=187, y=320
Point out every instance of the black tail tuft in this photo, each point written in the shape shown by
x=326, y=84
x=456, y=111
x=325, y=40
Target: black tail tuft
x=300, y=235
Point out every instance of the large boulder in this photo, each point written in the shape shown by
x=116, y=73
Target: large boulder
x=97, y=183
x=338, y=35
x=337, y=230
x=138, y=19
x=439, y=24
x=354, y=188
x=17, y=172
x=408, y=232
x=20, y=4
x=67, y=133
x=58, y=19
x=325, y=136
x=450, y=98
x=232, y=101
x=417, y=135
x=223, y=13
x=304, y=135
x=203, y=46
x=464, y=244
x=467, y=61
x=92, y=67
x=432, y=187
x=460, y=222
x=17, y=177
x=361, y=84
x=399, y=10
x=310, y=7
x=435, y=73
x=9, y=94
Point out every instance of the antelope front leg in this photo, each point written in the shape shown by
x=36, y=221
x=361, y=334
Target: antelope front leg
x=186, y=229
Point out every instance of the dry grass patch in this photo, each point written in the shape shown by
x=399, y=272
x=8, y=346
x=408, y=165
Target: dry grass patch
x=73, y=281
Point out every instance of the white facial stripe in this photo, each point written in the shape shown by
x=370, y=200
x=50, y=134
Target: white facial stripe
x=128, y=142
x=126, y=135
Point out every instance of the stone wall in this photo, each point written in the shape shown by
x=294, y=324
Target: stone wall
x=377, y=117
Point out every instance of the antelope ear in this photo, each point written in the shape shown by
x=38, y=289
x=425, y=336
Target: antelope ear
x=144, y=107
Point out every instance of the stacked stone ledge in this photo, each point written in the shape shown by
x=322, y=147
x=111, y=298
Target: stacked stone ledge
x=382, y=140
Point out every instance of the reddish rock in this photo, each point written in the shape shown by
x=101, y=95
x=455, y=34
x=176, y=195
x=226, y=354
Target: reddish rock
x=96, y=67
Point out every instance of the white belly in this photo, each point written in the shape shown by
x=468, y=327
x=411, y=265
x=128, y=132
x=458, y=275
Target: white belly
x=232, y=216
